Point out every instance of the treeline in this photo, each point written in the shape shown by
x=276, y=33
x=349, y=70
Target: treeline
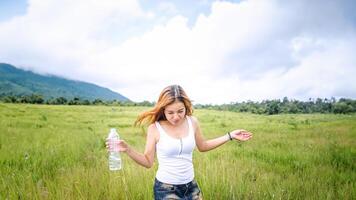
x=38, y=99
x=271, y=107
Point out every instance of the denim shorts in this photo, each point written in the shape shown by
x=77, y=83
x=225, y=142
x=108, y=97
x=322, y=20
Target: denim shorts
x=189, y=191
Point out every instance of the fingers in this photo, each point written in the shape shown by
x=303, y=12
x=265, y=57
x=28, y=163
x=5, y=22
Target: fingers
x=119, y=145
x=241, y=132
x=244, y=132
x=246, y=136
x=242, y=135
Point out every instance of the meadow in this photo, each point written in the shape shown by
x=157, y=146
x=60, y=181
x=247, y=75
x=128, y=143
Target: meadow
x=58, y=152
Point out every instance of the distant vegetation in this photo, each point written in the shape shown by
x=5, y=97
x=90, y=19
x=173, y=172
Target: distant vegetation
x=270, y=107
x=38, y=99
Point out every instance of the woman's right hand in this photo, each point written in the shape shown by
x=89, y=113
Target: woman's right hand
x=120, y=146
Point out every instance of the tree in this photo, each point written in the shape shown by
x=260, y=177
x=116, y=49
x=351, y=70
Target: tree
x=60, y=100
x=98, y=102
x=10, y=99
x=74, y=101
x=273, y=107
x=342, y=108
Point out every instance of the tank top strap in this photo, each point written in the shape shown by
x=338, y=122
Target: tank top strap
x=190, y=125
x=159, y=127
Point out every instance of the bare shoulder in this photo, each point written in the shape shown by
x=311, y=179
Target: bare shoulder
x=152, y=131
x=152, y=127
x=195, y=121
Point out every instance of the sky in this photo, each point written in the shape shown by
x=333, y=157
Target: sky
x=218, y=51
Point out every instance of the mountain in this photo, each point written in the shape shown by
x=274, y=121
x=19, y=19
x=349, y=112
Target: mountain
x=14, y=81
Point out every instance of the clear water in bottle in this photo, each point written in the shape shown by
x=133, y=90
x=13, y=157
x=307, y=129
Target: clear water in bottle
x=114, y=154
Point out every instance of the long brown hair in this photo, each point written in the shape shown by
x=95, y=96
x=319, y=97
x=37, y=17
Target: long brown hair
x=168, y=95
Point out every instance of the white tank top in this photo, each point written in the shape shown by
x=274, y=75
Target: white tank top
x=174, y=156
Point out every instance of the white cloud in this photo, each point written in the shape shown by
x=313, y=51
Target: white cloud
x=63, y=34
x=249, y=50
x=323, y=73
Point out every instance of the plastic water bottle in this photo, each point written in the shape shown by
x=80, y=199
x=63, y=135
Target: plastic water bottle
x=114, y=154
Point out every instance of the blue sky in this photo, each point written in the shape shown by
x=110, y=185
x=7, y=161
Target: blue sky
x=11, y=8
x=219, y=51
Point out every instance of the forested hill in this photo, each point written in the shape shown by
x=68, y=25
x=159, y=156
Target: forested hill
x=18, y=82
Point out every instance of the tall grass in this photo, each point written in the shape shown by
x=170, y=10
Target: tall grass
x=58, y=152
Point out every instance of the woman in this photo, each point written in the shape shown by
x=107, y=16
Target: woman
x=173, y=134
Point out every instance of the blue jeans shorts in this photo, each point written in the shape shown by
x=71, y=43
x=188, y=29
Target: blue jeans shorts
x=189, y=191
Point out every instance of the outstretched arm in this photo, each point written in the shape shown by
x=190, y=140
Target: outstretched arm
x=207, y=145
x=145, y=159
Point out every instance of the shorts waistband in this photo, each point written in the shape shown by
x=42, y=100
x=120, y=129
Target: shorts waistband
x=185, y=184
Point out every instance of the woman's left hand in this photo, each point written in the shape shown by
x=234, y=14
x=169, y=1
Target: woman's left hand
x=241, y=135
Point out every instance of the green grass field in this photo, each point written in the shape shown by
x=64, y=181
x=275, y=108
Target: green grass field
x=58, y=152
